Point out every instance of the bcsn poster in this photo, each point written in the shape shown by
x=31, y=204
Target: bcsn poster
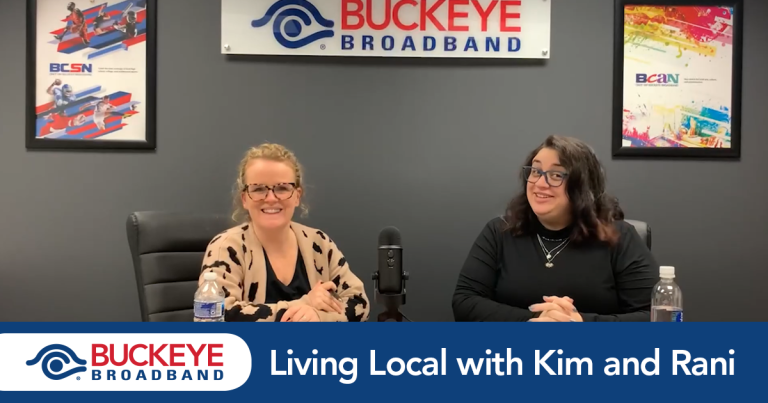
x=91, y=71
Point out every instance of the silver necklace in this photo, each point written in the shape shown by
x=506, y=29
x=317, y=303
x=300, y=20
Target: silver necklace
x=556, y=250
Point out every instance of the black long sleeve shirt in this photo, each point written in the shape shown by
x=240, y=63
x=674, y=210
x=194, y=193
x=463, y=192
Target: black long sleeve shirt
x=504, y=274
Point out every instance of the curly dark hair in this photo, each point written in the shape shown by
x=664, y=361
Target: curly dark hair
x=618, y=213
x=592, y=210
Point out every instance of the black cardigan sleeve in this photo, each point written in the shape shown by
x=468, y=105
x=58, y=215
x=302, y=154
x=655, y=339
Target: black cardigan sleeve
x=473, y=299
x=636, y=272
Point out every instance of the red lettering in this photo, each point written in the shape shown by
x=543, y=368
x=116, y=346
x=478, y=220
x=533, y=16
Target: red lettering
x=96, y=354
x=356, y=14
x=131, y=355
x=387, y=15
x=346, y=13
x=112, y=355
x=505, y=15
x=484, y=14
x=153, y=355
x=211, y=354
x=197, y=353
x=652, y=78
x=453, y=15
x=427, y=13
x=174, y=354
x=396, y=15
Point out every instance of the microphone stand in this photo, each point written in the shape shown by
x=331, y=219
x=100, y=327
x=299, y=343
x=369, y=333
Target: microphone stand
x=391, y=302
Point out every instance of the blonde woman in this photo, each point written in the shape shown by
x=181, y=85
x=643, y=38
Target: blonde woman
x=272, y=268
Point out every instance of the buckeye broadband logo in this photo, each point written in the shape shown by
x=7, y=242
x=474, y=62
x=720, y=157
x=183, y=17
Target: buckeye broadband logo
x=489, y=26
x=287, y=23
x=123, y=362
x=53, y=363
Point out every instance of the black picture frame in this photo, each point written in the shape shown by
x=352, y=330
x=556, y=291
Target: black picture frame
x=148, y=104
x=732, y=152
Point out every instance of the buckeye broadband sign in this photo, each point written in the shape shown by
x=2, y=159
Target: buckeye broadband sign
x=123, y=362
x=388, y=28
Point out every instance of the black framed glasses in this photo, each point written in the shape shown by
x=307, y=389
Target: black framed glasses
x=282, y=191
x=554, y=178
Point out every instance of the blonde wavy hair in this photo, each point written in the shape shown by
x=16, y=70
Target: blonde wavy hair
x=273, y=152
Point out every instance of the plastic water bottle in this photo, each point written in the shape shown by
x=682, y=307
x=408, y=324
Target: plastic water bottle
x=209, y=300
x=667, y=301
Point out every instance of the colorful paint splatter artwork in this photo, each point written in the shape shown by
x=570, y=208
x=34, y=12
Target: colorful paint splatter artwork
x=677, y=76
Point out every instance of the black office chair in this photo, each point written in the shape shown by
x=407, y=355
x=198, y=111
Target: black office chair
x=167, y=251
x=643, y=229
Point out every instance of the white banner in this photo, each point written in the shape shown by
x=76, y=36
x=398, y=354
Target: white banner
x=388, y=28
x=123, y=362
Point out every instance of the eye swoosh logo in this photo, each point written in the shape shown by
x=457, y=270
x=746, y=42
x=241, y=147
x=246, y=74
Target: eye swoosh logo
x=56, y=360
x=298, y=12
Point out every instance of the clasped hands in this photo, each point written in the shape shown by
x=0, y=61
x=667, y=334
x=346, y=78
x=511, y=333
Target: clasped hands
x=318, y=299
x=556, y=309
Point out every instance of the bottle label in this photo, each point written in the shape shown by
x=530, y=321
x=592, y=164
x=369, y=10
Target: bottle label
x=677, y=316
x=209, y=310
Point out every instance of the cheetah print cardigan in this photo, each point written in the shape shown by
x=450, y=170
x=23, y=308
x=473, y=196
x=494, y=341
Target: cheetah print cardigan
x=236, y=256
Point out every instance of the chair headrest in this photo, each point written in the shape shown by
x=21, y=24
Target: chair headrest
x=643, y=229
x=173, y=231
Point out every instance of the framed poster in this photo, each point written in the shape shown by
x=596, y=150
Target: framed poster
x=91, y=72
x=677, y=78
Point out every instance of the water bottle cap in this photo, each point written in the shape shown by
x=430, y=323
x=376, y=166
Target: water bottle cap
x=209, y=276
x=667, y=272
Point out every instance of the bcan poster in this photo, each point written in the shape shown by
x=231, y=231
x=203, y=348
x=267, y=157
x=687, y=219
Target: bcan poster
x=678, y=70
x=91, y=70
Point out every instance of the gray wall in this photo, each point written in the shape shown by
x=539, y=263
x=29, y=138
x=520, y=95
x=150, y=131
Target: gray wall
x=435, y=152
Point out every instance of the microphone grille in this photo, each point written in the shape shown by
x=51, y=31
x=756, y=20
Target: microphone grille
x=389, y=236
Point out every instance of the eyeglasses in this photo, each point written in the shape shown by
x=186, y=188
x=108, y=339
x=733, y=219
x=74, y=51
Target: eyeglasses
x=553, y=178
x=282, y=191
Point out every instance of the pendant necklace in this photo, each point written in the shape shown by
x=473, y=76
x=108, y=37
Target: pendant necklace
x=552, y=254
